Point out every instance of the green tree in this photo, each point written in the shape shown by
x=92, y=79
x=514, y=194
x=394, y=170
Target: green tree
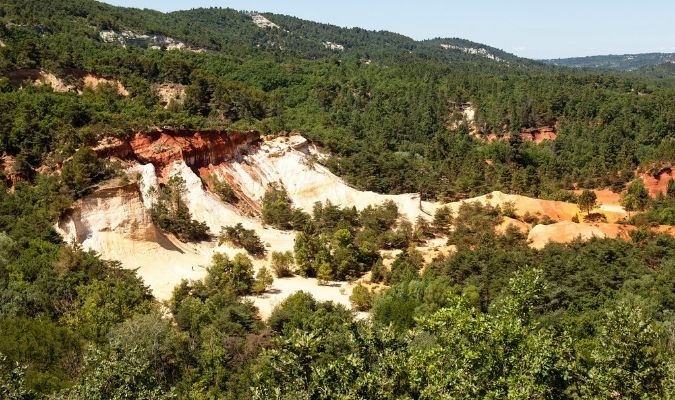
x=282, y=264
x=636, y=197
x=170, y=212
x=230, y=274
x=242, y=237
x=361, y=298
x=587, y=201
x=263, y=281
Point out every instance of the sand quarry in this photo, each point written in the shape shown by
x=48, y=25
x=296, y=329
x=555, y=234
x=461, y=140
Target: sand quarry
x=115, y=221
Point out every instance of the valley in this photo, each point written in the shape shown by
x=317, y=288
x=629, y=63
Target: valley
x=220, y=204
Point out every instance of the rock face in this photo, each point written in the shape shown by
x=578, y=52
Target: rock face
x=566, y=232
x=115, y=220
x=114, y=208
x=93, y=82
x=170, y=93
x=263, y=22
x=7, y=164
x=196, y=149
x=536, y=135
x=292, y=161
x=657, y=182
x=78, y=80
x=156, y=42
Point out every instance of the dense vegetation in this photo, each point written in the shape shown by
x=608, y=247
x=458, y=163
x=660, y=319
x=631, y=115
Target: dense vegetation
x=383, y=106
x=497, y=319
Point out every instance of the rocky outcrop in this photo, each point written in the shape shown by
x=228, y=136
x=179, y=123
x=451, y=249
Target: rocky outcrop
x=536, y=135
x=169, y=93
x=114, y=208
x=93, y=82
x=7, y=168
x=71, y=81
x=155, y=42
x=656, y=181
x=160, y=148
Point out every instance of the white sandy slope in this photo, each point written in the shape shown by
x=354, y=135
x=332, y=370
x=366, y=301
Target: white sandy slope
x=290, y=161
x=116, y=224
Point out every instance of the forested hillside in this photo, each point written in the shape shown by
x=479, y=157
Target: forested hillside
x=625, y=62
x=497, y=319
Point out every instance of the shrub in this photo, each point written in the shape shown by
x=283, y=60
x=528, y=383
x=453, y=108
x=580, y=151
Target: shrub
x=378, y=272
x=263, y=281
x=282, y=264
x=595, y=217
x=361, y=298
x=509, y=209
x=278, y=211
x=442, y=220
x=530, y=218
x=242, y=237
x=223, y=190
x=81, y=173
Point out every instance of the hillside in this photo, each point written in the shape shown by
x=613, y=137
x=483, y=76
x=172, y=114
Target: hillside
x=625, y=62
x=222, y=204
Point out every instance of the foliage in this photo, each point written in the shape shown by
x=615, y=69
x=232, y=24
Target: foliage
x=84, y=170
x=223, y=189
x=278, y=211
x=587, y=201
x=636, y=197
x=495, y=320
x=171, y=214
x=263, y=281
x=242, y=237
x=361, y=298
x=282, y=264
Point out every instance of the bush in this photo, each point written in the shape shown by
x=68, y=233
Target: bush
x=242, y=237
x=442, y=220
x=378, y=272
x=83, y=171
x=509, y=209
x=223, y=190
x=282, y=264
x=229, y=274
x=530, y=218
x=361, y=298
x=595, y=217
x=278, y=211
x=263, y=281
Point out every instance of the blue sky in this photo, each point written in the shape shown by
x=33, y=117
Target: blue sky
x=529, y=28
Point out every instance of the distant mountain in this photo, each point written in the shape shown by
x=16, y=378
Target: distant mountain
x=626, y=62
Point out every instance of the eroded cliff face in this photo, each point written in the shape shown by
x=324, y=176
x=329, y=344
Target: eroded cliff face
x=115, y=208
x=657, y=181
x=536, y=135
x=161, y=148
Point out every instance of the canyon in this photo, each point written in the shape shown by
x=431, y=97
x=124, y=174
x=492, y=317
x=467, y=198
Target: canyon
x=115, y=220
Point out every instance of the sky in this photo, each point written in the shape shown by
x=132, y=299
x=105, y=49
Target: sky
x=529, y=28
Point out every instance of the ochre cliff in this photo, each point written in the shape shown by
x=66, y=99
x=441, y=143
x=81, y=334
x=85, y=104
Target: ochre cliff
x=657, y=181
x=536, y=135
x=160, y=148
